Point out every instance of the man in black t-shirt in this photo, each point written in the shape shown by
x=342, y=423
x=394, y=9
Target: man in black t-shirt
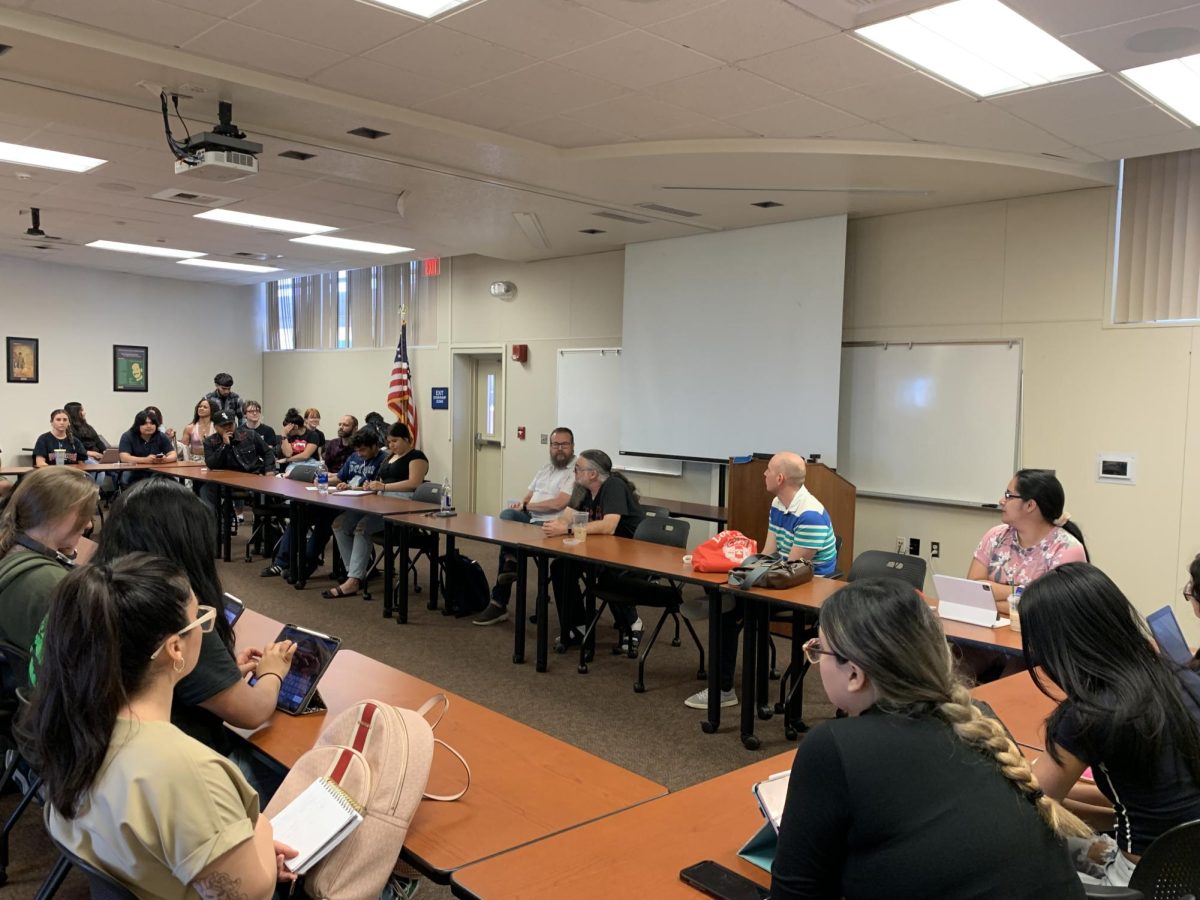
x=610, y=501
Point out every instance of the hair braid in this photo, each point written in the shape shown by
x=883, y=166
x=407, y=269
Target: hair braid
x=987, y=735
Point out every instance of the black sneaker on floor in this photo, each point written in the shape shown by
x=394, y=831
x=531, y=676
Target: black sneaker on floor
x=271, y=572
x=493, y=614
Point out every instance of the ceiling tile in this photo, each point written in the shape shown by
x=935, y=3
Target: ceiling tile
x=698, y=131
x=338, y=24
x=720, y=92
x=387, y=84
x=479, y=107
x=866, y=132
x=552, y=88
x=1086, y=98
x=148, y=20
x=450, y=56
x=635, y=115
x=639, y=12
x=1117, y=125
x=1070, y=16
x=895, y=97
x=260, y=50
x=799, y=119
x=976, y=125
x=829, y=64
x=541, y=28
x=742, y=29
x=637, y=60
x=1134, y=43
x=561, y=132
x=1148, y=144
x=220, y=8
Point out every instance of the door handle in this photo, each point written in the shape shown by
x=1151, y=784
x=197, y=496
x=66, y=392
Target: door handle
x=481, y=441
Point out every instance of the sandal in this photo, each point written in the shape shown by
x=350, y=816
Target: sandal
x=334, y=593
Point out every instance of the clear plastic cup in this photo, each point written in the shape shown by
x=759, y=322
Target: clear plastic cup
x=579, y=523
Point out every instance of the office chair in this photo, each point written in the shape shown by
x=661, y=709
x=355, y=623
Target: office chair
x=14, y=669
x=656, y=512
x=881, y=564
x=1169, y=869
x=101, y=885
x=425, y=543
x=648, y=592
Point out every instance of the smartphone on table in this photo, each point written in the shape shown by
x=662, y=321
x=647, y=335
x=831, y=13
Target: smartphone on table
x=714, y=879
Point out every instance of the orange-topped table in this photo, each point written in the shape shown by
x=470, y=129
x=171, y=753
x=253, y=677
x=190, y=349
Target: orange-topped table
x=1020, y=706
x=525, y=785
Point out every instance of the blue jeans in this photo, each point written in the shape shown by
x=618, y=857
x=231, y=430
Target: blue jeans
x=502, y=592
x=356, y=547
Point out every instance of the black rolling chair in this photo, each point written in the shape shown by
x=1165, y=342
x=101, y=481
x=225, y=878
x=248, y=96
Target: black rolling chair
x=881, y=564
x=648, y=592
x=1169, y=869
x=101, y=886
x=14, y=679
x=656, y=512
x=424, y=543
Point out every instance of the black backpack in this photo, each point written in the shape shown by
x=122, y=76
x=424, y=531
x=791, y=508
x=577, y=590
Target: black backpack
x=471, y=585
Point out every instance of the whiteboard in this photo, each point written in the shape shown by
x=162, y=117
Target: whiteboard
x=589, y=403
x=936, y=421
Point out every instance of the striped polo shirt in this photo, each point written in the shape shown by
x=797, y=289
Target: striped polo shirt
x=804, y=523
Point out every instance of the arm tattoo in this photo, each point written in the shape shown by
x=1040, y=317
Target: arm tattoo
x=220, y=886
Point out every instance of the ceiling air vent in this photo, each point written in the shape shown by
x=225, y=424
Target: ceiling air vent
x=592, y=231
x=193, y=198
x=669, y=210
x=245, y=254
x=297, y=154
x=767, y=204
x=621, y=218
x=371, y=134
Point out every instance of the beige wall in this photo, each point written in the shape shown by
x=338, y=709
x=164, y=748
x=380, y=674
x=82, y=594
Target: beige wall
x=192, y=330
x=1036, y=269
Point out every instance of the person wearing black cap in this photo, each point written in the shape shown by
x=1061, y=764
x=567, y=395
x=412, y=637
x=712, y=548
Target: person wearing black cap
x=223, y=397
x=234, y=447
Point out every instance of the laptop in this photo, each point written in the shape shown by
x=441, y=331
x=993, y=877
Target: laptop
x=964, y=600
x=1169, y=636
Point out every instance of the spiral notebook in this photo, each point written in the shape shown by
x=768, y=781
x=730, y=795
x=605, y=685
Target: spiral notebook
x=319, y=819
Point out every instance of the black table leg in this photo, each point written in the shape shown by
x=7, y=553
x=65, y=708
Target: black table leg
x=401, y=600
x=300, y=544
x=389, y=569
x=451, y=583
x=519, y=625
x=749, y=673
x=763, y=670
x=226, y=514
x=543, y=612
x=713, y=722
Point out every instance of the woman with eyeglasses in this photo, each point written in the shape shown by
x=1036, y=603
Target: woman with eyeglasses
x=917, y=792
x=1131, y=715
x=128, y=791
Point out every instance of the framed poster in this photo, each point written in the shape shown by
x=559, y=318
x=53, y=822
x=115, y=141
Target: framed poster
x=22, y=356
x=130, y=372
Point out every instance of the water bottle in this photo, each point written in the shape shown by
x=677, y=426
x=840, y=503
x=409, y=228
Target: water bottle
x=322, y=479
x=1014, y=608
x=446, y=504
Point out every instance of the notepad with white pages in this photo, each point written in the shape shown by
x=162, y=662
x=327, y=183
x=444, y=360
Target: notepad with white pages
x=319, y=819
x=350, y=492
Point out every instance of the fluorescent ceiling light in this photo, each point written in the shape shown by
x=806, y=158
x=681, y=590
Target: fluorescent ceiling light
x=1175, y=83
x=321, y=240
x=145, y=249
x=426, y=9
x=47, y=159
x=266, y=223
x=232, y=266
x=980, y=45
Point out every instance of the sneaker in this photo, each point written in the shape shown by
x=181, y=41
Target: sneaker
x=628, y=644
x=699, y=700
x=271, y=572
x=506, y=577
x=493, y=614
x=400, y=888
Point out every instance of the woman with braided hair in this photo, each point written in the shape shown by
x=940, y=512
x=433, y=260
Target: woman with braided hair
x=1130, y=714
x=917, y=793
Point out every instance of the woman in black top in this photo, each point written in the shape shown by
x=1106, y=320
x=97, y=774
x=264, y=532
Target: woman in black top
x=59, y=437
x=916, y=793
x=91, y=440
x=1191, y=593
x=405, y=467
x=1132, y=715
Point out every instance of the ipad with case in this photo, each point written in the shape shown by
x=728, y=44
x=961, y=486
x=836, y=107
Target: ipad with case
x=1169, y=636
x=314, y=652
x=964, y=600
x=233, y=609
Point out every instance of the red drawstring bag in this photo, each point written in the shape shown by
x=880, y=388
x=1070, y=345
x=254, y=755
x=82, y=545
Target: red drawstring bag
x=723, y=552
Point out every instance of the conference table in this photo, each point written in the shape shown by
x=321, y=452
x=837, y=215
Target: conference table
x=525, y=785
x=1020, y=706
x=636, y=852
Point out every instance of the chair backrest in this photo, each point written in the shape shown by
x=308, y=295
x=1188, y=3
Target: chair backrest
x=881, y=564
x=663, y=530
x=100, y=885
x=1170, y=867
x=656, y=512
x=428, y=492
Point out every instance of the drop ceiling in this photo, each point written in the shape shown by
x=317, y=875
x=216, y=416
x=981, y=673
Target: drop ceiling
x=554, y=108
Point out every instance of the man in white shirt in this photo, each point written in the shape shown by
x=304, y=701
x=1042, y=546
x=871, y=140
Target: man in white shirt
x=548, y=495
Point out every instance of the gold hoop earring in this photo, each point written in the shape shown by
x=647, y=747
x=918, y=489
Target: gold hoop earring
x=178, y=665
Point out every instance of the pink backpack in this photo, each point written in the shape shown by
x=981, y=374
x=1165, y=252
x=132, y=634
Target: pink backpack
x=380, y=755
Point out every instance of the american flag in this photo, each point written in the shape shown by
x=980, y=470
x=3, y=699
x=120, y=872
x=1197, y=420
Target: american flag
x=400, y=398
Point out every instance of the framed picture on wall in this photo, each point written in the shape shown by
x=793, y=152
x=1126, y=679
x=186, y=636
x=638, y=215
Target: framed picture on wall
x=22, y=356
x=130, y=368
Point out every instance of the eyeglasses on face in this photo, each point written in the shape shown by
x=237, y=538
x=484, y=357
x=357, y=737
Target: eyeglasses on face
x=206, y=618
x=1009, y=495
x=813, y=652
x=583, y=469
x=561, y=444
x=1189, y=593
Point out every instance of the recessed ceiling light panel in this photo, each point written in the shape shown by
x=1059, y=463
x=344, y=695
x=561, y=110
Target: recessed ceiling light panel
x=47, y=159
x=321, y=240
x=266, y=223
x=426, y=9
x=1175, y=83
x=980, y=45
x=145, y=249
x=232, y=266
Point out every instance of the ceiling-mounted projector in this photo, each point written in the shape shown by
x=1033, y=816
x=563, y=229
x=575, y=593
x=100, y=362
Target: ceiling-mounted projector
x=220, y=155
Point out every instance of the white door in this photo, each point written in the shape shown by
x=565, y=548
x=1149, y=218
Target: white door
x=488, y=457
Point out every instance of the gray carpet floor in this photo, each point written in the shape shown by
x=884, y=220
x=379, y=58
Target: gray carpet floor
x=652, y=733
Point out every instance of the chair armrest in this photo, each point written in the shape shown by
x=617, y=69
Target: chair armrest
x=1117, y=893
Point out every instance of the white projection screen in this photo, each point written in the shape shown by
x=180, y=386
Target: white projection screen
x=732, y=342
